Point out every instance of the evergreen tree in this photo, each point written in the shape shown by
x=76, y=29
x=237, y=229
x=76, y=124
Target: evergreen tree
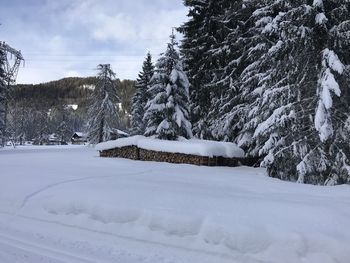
x=204, y=57
x=276, y=82
x=103, y=110
x=40, y=126
x=63, y=132
x=140, y=98
x=300, y=72
x=242, y=44
x=167, y=110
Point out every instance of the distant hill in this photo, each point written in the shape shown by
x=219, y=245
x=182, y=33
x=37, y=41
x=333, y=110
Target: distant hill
x=59, y=107
x=67, y=91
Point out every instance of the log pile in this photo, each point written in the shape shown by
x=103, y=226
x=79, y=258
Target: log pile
x=148, y=155
x=128, y=152
x=135, y=153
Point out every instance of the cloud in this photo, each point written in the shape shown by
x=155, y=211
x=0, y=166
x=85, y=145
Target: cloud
x=126, y=28
x=137, y=28
x=61, y=37
x=118, y=27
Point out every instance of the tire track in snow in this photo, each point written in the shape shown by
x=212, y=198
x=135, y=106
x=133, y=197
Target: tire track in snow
x=43, y=189
x=31, y=195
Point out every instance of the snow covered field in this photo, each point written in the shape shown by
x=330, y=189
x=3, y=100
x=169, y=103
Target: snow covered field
x=65, y=204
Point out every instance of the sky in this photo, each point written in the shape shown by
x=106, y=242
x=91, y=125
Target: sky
x=66, y=38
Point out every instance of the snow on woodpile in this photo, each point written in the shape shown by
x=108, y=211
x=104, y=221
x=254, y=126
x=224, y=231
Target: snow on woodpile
x=122, y=142
x=192, y=146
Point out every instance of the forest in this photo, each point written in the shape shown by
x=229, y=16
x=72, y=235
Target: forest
x=272, y=76
x=58, y=107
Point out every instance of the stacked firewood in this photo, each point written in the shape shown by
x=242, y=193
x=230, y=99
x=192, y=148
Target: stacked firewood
x=135, y=153
x=129, y=152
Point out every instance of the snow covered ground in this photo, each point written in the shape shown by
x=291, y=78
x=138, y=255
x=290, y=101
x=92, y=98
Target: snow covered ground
x=65, y=204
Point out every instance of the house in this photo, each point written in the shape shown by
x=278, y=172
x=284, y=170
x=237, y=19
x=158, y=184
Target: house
x=79, y=138
x=53, y=139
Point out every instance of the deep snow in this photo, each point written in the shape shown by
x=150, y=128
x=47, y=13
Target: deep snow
x=65, y=204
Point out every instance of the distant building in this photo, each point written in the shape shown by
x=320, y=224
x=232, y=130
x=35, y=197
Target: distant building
x=79, y=138
x=54, y=139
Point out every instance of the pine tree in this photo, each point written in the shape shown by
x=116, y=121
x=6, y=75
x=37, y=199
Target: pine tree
x=328, y=160
x=274, y=75
x=167, y=110
x=103, y=110
x=40, y=127
x=241, y=40
x=62, y=131
x=291, y=87
x=141, y=97
x=204, y=57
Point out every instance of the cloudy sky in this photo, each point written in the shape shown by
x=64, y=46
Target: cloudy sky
x=61, y=38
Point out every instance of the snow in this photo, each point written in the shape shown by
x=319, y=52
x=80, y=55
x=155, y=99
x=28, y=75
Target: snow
x=90, y=87
x=120, y=132
x=279, y=115
x=80, y=134
x=275, y=48
x=328, y=84
x=321, y=19
x=64, y=204
x=73, y=106
x=179, y=116
x=164, y=125
x=122, y=142
x=331, y=59
x=53, y=137
x=318, y=3
x=192, y=146
x=322, y=124
x=263, y=21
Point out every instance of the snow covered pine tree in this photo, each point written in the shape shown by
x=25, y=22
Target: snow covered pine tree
x=167, y=110
x=203, y=55
x=299, y=90
x=141, y=97
x=103, y=110
x=286, y=79
x=238, y=50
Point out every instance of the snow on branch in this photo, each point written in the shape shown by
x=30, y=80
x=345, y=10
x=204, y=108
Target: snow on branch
x=279, y=116
x=327, y=86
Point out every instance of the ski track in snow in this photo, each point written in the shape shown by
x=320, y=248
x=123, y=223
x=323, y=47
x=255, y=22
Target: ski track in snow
x=126, y=211
x=41, y=253
x=47, y=187
x=63, y=256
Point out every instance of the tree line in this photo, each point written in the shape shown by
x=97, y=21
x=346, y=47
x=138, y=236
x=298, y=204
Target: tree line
x=35, y=111
x=272, y=76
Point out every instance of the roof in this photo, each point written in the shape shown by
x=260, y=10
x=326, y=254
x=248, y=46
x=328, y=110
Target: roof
x=80, y=134
x=53, y=137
